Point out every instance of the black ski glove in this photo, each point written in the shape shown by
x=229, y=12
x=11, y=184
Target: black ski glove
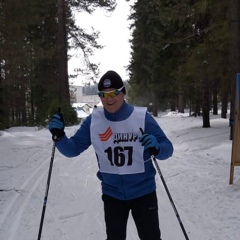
x=56, y=127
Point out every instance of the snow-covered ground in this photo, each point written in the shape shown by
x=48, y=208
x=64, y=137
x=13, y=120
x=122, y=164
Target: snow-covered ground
x=197, y=177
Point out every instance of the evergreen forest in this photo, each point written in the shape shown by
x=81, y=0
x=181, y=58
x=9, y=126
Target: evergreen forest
x=185, y=54
x=35, y=38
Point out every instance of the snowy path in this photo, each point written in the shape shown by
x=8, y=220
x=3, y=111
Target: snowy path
x=197, y=177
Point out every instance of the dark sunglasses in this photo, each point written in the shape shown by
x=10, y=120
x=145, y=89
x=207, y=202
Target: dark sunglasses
x=112, y=93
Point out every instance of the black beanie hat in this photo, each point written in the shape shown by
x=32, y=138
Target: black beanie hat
x=111, y=80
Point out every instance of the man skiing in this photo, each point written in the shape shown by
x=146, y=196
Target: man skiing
x=124, y=137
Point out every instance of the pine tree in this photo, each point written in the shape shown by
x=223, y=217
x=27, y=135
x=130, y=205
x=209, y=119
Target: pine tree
x=34, y=40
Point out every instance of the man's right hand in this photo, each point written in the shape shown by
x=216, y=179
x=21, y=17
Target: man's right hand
x=56, y=127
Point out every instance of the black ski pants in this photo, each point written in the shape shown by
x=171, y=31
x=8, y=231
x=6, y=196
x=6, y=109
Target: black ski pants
x=144, y=211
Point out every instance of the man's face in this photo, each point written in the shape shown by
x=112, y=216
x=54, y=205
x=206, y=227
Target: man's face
x=110, y=101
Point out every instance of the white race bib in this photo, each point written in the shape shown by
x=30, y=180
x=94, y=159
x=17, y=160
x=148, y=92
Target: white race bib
x=117, y=143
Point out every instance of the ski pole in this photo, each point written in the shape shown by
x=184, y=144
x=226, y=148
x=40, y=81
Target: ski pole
x=169, y=196
x=47, y=187
x=46, y=192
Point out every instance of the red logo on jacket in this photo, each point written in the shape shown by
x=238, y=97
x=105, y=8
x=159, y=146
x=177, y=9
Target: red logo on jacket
x=106, y=135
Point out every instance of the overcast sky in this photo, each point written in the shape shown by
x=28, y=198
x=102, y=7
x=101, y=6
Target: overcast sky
x=114, y=35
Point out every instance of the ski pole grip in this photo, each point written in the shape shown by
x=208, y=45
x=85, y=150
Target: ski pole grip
x=151, y=150
x=57, y=134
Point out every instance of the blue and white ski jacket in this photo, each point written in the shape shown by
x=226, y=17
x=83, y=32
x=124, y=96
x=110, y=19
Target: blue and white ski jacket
x=114, y=142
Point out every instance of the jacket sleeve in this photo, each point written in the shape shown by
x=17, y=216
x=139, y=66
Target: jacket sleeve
x=165, y=145
x=79, y=142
